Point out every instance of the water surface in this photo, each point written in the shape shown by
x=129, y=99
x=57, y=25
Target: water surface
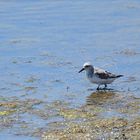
x=44, y=44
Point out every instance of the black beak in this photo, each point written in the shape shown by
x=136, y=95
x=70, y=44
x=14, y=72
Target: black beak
x=81, y=70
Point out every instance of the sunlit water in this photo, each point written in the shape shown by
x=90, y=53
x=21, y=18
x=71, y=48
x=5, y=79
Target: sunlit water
x=43, y=44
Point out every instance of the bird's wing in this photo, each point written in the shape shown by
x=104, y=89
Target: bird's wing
x=104, y=74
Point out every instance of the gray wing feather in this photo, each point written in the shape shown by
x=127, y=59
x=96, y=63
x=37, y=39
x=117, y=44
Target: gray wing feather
x=105, y=75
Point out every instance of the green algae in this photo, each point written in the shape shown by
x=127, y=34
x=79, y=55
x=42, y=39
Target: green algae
x=131, y=107
x=85, y=130
x=86, y=122
x=74, y=123
x=6, y=112
x=32, y=79
x=75, y=114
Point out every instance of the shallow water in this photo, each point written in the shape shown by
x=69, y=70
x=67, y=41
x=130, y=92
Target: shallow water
x=44, y=44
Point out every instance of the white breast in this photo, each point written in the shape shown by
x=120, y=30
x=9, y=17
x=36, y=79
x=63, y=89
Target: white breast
x=97, y=80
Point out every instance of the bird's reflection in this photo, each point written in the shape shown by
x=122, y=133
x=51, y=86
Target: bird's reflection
x=100, y=97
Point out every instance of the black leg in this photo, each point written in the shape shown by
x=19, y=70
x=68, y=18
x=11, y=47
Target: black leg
x=105, y=87
x=98, y=88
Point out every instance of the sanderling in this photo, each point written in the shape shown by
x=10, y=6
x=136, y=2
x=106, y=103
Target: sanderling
x=98, y=76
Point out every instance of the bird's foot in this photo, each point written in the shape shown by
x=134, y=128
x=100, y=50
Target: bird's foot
x=101, y=88
x=104, y=88
x=90, y=89
x=109, y=89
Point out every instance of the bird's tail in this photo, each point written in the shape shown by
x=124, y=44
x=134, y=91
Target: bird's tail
x=119, y=76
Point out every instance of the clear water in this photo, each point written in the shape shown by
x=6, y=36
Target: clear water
x=50, y=41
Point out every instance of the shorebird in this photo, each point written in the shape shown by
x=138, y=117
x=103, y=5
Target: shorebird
x=98, y=76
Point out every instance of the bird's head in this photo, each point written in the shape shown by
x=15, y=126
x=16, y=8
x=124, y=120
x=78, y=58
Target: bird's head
x=87, y=66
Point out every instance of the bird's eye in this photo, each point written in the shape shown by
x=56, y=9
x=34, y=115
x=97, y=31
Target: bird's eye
x=86, y=66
